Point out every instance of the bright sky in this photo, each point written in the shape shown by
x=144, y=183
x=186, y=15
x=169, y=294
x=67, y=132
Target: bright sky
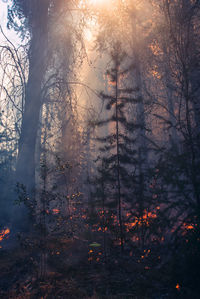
x=3, y=22
x=3, y=13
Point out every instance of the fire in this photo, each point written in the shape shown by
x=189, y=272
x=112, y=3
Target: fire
x=178, y=286
x=55, y=211
x=3, y=233
x=143, y=220
x=189, y=226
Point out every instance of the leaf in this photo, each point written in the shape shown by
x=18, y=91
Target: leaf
x=95, y=244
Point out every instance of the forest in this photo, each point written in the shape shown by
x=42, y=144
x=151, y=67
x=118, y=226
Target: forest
x=99, y=149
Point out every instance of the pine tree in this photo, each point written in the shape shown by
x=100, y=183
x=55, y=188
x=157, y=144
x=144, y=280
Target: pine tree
x=116, y=150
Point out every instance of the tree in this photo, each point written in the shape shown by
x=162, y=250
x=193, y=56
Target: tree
x=117, y=153
x=48, y=72
x=35, y=15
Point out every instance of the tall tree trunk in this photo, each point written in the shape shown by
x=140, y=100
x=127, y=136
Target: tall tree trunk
x=25, y=172
x=141, y=134
x=174, y=137
x=118, y=165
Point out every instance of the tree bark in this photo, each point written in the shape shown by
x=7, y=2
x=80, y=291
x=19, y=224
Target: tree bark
x=25, y=172
x=25, y=168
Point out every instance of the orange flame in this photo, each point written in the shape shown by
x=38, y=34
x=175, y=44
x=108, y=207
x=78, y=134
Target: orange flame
x=143, y=220
x=189, y=226
x=3, y=233
x=178, y=286
x=55, y=211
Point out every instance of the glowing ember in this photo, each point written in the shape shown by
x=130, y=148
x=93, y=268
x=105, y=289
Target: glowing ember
x=55, y=211
x=178, y=286
x=189, y=226
x=3, y=233
x=144, y=220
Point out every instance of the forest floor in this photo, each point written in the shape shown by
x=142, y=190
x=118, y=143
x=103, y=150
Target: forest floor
x=73, y=270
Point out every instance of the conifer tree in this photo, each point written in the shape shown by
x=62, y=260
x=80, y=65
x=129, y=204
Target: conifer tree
x=117, y=152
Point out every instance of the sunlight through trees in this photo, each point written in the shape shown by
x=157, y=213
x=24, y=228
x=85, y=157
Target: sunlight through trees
x=99, y=149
